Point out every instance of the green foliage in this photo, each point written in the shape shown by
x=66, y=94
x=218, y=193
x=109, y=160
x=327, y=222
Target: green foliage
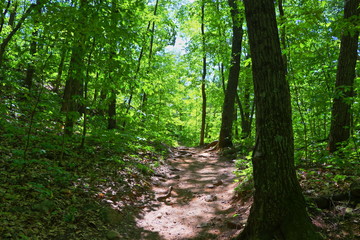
x=158, y=100
x=244, y=175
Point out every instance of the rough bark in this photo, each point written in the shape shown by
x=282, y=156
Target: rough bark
x=341, y=111
x=278, y=211
x=225, y=138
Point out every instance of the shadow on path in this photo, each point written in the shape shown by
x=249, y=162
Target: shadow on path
x=200, y=200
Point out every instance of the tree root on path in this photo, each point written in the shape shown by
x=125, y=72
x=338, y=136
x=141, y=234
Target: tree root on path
x=164, y=197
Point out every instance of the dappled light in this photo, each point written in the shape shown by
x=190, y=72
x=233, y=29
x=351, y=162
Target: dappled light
x=179, y=120
x=200, y=201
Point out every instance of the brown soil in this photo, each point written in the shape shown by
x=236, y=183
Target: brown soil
x=200, y=203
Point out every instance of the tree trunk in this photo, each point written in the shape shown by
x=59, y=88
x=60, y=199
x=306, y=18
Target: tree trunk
x=3, y=15
x=203, y=77
x=344, y=86
x=112, y=111
x=151, y=48
x=57, y=82
x=246, y=108
x=33, y=49
x=278, y=211
x=74, y=85
x=112, y=123
x=225, y=139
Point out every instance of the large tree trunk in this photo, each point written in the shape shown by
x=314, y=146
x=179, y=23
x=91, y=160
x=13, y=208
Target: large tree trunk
x=278, y=211
x=203, y=77
x=225, y=139
x=341, y=111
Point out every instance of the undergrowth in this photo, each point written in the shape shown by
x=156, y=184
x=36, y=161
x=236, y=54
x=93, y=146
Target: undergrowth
x=50, y=188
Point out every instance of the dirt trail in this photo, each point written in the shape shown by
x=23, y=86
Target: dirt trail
x=199, y=205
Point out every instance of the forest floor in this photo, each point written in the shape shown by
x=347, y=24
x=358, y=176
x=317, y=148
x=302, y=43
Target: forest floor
x=140, y=194
x=195, y=198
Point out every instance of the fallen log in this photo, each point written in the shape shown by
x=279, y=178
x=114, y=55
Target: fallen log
x=329, y=202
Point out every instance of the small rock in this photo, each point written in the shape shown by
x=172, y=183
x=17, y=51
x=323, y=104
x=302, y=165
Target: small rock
x=202, y=225
x=174, y=169
x=217, y=182
x=159, y=216
x=174, y=177
x=235, y=223
x=210, y=198
x=159, y=175
x=210, y=186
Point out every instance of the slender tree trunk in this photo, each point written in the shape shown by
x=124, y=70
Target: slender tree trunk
x=344, y=86
x=112, y=111
x=33, y=49
x=3, y=14
x=246, y=109
x=225, y=139
x=103, y=96
x=248, y=115
x=13, y=13
x=151, y=48
x=60, y=70
x=203, y=77
x=112, y=123
x=87, y=78
x=31, y=67
x=278, y=211
x=222, y=76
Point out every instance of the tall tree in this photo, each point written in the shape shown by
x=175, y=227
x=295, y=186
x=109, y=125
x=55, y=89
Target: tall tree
x=33, y=49
x=278, y=211
x=344, y=86
x=151, y=49
x=232, y=84
x=74, y=85
x=203, y=77
x=112, y=123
